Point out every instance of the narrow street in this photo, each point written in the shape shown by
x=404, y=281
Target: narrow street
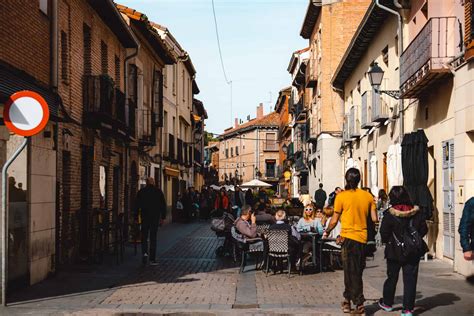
x=190, y=279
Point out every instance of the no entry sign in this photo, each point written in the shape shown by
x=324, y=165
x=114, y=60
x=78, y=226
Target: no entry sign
x=26, y=113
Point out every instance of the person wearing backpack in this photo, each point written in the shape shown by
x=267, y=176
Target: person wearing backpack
x=402, y=230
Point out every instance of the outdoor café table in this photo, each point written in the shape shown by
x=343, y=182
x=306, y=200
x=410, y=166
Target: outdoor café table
x=321, y=242
x=314, y=239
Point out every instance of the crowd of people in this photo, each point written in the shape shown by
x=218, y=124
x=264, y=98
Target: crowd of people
x=353, y=219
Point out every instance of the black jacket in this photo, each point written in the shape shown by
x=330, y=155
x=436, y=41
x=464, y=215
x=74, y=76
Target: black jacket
x=151, y=201
x=395, y=221
x=466, y=226
x=320, y=197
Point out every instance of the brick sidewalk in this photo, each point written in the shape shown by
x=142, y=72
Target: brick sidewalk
x=190, y=279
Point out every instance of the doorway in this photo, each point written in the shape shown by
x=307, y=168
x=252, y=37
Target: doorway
x=448, y=199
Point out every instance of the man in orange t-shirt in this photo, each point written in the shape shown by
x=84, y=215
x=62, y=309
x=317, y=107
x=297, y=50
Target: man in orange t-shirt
x=352, y=208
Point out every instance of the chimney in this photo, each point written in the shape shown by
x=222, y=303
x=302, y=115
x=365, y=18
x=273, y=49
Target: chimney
x=236, y=123
x=260, y=111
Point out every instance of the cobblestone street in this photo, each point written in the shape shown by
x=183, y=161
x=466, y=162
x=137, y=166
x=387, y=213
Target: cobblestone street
x=189, y=279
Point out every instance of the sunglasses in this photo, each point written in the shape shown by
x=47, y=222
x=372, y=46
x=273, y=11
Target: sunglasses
x=309, y=210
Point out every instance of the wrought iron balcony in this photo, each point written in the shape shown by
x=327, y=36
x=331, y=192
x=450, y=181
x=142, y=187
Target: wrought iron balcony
x=425, y=60
x=147, y=128
x=299, y=161
x=104, y=105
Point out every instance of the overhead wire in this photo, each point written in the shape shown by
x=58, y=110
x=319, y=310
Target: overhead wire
x=229, y=82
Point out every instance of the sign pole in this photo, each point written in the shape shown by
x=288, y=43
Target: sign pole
x=5, y=219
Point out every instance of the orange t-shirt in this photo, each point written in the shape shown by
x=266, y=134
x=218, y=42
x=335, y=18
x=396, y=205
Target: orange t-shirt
x=354, y=207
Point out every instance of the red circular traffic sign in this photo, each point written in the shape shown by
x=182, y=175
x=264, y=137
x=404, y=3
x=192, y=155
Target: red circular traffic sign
x=26, y=113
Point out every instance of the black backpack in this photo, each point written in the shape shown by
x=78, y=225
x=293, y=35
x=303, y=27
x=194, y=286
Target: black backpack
x=410, y=244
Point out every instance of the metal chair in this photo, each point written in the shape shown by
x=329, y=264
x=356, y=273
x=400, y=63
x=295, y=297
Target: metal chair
x=245, y=246
x=262, y=229
x=278, y=248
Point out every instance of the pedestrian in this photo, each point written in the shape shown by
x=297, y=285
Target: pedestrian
x=249, y=199
x=151, y=202
x=221, y=204
x=332, y=196
x=402, y=219
x=320, y=197
x=352, y=207
x=262, y=216
x=466, y=229
x=239, y=199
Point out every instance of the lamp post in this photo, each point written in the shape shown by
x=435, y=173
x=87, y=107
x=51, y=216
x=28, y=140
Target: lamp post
x=284, y=149
x=375, y=77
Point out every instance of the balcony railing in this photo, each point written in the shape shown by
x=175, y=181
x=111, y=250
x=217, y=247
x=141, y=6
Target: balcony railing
x=311, y=75
x=354, y=122
x=104, y=104
x=299, y=110
x=425, y=60
x=180, y=151
x=147, y=128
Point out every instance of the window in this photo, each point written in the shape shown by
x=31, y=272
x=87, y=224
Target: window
x=87, y=49
x=165, y=76
x=158, y=98
x=227, y=152
x=64, y=58
x=175, y=75
x=232, y=151
x=385, y=55
x=236, y=150
x=184, y=86
x=358, y=86
x=270, y=168
x=43, y=6
x=165, y=121
x=270, y=143
x=104, y=57
x=117, y=71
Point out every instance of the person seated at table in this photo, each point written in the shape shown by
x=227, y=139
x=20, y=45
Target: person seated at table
x=293, y=235
x=262, y=216
x=308, y=222
x=248, y=230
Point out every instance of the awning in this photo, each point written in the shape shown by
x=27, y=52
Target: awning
x=171, y=172
x=11, y=82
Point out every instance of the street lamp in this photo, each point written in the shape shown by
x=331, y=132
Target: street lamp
x=375, y=77
x=256, y=172
x=284, y=148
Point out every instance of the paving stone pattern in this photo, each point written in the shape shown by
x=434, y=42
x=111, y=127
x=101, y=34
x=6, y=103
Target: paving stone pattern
x=190, y=280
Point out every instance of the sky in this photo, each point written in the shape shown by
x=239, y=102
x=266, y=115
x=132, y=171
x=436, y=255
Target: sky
x=257, y=39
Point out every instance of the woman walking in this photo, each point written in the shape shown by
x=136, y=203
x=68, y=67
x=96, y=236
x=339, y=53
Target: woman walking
x=402, y=219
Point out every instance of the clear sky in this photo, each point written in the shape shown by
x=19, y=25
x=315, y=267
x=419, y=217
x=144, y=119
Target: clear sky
x=257, y=39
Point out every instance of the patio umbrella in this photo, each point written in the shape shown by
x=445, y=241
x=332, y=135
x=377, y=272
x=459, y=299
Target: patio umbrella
x=255, y=183
x=215, y=187
x=415, y=170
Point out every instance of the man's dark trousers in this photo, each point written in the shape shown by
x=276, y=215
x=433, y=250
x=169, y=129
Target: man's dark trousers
x=353, y=262
x=410, y=276
x=149, y=229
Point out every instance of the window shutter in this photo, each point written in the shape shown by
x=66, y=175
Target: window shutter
x=469, y=29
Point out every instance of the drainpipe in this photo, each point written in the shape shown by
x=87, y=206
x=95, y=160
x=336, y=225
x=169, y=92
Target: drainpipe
x=400, y=50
